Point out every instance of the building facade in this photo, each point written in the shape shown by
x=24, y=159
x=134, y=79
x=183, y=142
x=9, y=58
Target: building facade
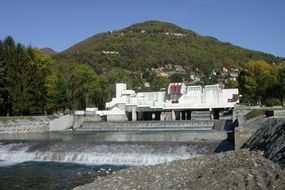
x=179, y=102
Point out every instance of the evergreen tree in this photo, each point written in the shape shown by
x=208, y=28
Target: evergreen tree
x=8, y=49
x=2, y=80
x=23, y=73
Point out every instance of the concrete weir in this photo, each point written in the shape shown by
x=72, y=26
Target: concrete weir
x=148, y=125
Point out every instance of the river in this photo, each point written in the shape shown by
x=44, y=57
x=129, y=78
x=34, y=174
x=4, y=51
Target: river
x=63, y=160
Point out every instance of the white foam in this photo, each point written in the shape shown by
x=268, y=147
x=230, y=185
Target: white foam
x=94, y=158
x=111, y=155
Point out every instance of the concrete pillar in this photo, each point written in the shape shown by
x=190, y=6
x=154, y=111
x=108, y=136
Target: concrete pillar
x=162, y=116
x=235, y=115
x=211, y=113
x=134, y=114
x=152, y=116
x=173, y=116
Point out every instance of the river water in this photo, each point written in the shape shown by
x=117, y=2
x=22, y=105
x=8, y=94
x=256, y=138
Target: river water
x=63, y=160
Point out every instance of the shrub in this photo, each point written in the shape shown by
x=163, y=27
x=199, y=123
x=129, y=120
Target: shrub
x=272, y=102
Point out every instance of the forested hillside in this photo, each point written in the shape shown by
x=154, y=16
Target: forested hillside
x=156, y=44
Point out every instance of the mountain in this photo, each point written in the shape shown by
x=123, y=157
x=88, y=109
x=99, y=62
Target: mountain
x=153, y=44
x=48, y=51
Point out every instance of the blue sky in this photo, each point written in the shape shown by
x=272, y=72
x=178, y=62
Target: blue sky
x=59, y=24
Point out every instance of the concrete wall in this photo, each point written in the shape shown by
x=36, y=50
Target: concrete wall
x=242, y=135
x=279, y=113
x=117, y=117
x=194, y=95
x=154, y=96
x=61, y=123
x=80, y=119
x=247, y=128
x=120, y=87
x=24, y=127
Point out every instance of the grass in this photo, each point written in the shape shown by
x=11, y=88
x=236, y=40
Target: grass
x=254, y=114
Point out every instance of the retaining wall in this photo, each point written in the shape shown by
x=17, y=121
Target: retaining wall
x=35, y=124
x=62, y=123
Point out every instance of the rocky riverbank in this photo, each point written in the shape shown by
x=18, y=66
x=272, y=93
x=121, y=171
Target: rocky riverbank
x=241, y=169
x=270, y=138
x=24, y=124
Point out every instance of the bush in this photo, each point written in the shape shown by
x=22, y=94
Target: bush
x=272, y=102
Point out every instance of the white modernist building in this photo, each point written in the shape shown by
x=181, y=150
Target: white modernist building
x=179, y=102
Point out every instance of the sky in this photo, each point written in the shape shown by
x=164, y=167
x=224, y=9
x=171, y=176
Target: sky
x=59, y=24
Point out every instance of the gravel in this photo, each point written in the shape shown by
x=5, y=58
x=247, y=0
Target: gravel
x=240, y=169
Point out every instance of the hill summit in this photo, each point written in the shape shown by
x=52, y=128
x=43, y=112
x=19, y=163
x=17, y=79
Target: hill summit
x=154, y=44
x=48, y=51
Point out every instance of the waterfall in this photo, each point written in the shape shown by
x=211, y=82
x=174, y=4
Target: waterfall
x=99, y=153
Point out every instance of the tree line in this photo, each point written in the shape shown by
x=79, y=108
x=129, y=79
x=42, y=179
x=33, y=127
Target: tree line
x=22, y=79
x=33, y=83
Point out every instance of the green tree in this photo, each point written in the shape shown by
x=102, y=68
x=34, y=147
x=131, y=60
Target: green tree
x=2, y=80
x=23, y=72
x=82, y=86
x=57, y=99
x=8, y=48
x=255, y=80
x=119, y=75
x=42, y=64
x=176, y=77
x=159, y=83
x=279, y=89
x=231, y=84
x=20, y=75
